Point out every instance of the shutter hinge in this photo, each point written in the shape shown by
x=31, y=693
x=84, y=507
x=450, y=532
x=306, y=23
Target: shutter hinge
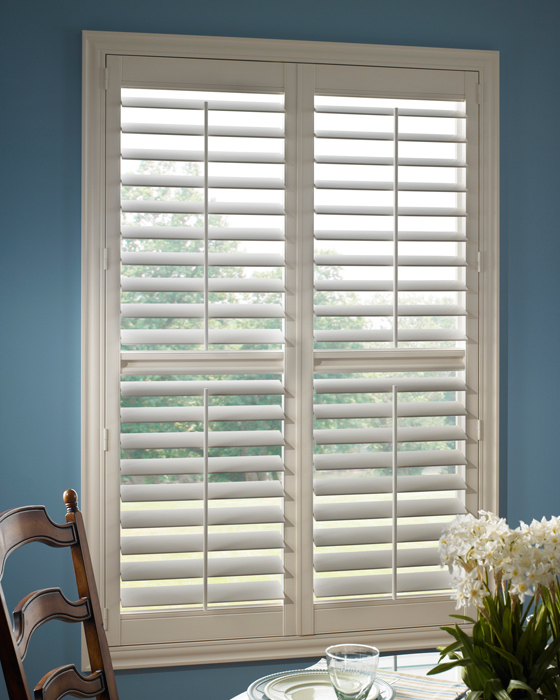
x=105, y=439
x=106, y=79
x=105, y=258
x=479, y=430
x=479, y=93
x=105, y=619
x=479, y=261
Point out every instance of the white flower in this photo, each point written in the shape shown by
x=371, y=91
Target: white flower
x=483, y=552
x=469, y=591
x=520, y=588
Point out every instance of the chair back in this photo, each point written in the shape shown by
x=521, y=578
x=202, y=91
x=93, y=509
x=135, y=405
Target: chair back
x=32, y=524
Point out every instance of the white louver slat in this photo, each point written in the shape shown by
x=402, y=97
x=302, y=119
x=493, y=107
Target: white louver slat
x=192, y=156
x=174, y=284
x=199, y=310
x=229, y=336
x=191, y=595
x=355, y=561
x=176, y=466
x=384, y=460
x=225, y=566
x=202, y=268
x=366, y=585
x=196, y=233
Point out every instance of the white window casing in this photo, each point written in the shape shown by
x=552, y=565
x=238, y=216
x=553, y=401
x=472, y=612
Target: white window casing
x=290, y=339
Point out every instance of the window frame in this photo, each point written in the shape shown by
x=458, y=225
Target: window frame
x=97, y=47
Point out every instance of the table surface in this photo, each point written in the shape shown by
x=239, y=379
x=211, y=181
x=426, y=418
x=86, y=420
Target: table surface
x=418, y=664
x=415, y=663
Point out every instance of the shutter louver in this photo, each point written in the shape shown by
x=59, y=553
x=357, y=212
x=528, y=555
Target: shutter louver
x=202, y=260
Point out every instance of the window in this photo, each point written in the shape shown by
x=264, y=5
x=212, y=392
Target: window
x=290, y=324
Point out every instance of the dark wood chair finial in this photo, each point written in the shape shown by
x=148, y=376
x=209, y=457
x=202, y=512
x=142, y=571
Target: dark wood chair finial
x=70, y=497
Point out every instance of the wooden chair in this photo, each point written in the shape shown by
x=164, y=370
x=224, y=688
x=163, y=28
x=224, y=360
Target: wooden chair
x=32, y=524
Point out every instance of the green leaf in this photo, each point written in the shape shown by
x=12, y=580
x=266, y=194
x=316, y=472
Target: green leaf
x=474, y=695
x=463, y=638
x=507, y=634
x=445, y=651
x=441, y=668
x=506, y=655
x=475, y=677
x=493, y=687
x=502, y=694
x=451, y=631
x=464, y=617
x=543, y=661
x=519, y=685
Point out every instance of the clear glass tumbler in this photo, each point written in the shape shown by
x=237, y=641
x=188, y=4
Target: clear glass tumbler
x=352, y=670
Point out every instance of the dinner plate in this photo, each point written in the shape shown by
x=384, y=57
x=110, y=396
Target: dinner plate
x=307, y=685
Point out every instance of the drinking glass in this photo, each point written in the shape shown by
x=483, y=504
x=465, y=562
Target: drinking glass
x=352, y=669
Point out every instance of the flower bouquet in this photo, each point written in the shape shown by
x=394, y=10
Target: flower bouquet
x=511, y=579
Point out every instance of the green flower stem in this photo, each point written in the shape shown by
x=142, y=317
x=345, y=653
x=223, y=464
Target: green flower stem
x=513, y=650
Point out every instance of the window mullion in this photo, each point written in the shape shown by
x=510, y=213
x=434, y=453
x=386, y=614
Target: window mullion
x=299, y=347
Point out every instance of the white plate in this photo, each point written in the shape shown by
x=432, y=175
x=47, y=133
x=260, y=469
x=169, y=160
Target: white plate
x=306, y=685
x=256, y=690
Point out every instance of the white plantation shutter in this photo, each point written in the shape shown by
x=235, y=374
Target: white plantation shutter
x=390, y=259
x=291, y=317
x=202, y=262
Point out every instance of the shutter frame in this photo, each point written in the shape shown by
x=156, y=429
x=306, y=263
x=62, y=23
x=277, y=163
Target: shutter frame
x=465, y=60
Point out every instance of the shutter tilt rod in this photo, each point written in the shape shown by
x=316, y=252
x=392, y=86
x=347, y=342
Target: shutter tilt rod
x=206, y=225
x=396, y=229
x=395, y=494
x=205, y=507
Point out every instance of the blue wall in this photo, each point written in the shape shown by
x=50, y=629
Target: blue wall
x=40, y=112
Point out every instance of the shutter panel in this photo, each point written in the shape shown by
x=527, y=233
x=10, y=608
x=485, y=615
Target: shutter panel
x=357, y=511
x=390, y=260
x=202, y=260
x=202, y=209
x=204, y=506
x=390, y=206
